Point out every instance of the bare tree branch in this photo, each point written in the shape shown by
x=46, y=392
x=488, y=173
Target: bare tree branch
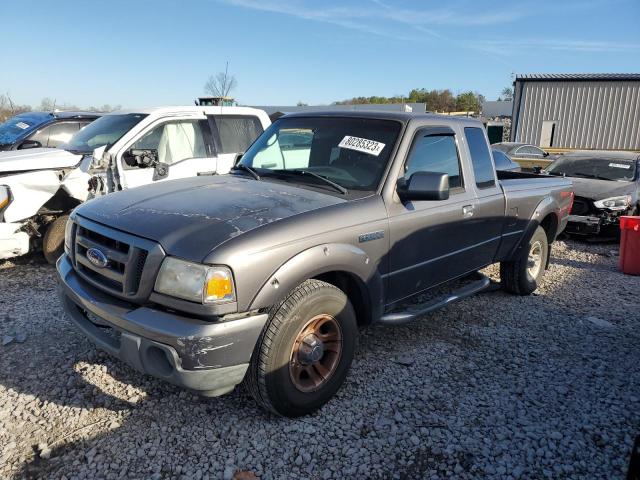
x=221, y=84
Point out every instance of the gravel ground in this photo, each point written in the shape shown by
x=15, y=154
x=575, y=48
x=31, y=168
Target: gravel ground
x=495, y=386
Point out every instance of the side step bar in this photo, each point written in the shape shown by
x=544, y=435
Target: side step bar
x=399, y=318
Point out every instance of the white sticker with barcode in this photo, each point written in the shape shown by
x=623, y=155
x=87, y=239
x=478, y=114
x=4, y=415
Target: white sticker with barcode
x=626, y=166
x=22, y=125
x=362, y=145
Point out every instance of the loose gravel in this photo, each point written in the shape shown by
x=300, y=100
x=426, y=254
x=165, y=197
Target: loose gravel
x=496, y=386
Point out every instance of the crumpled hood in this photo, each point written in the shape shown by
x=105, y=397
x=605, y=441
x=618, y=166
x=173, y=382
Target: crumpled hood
x=192, y=216
x=595, y=189
x=37, y=159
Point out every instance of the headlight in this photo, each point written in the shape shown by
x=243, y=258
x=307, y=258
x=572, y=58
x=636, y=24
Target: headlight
x=614, y=203
x=5, y=198
x=195, y=282
x=67, y=236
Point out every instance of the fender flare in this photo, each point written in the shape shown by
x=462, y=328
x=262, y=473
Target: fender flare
x=322, y=259
x=546, y=206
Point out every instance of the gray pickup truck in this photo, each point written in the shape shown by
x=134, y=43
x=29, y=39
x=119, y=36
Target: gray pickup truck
x=329, y=222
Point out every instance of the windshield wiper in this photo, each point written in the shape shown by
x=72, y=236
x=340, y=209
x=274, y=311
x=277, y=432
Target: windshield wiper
x=301, y=172
x=244, y=168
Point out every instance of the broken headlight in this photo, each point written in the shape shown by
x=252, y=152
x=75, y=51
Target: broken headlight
x=195, y=282
x=614, y=203
x=5, y=198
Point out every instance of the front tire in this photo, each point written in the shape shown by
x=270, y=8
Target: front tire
x=523, y=275
x=305, y=350
x=53, y=242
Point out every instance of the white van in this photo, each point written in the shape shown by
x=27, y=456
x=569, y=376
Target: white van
x=120, y=150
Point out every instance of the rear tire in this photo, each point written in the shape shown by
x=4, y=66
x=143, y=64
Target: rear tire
x=53, y=242
x=523, y=275
x=290, y=377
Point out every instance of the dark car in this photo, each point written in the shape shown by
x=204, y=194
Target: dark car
x=503, y=162
x=42, y=129
x=606, y=187
x=528, y=156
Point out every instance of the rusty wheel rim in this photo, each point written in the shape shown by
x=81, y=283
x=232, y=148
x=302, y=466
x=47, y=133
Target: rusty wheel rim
x=316, y=353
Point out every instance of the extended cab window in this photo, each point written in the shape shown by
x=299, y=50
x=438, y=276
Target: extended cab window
x=480, y=157
x=435, y=153
x=236, y=132
x=174, y=141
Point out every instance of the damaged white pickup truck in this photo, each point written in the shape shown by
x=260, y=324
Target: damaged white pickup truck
x=124, y=149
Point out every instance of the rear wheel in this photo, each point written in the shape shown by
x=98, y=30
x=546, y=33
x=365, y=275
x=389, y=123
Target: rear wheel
x=523, y=275
x=305, y=350
x=53, y=242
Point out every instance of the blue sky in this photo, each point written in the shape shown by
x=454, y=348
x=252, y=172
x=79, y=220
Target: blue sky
x=152, y=52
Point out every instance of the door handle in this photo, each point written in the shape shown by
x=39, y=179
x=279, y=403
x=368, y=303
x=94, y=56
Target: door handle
x=467, y=211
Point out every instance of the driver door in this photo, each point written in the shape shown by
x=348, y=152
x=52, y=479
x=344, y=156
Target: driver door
x=175, y=148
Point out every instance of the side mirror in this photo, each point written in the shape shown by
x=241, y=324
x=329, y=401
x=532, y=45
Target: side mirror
x=537, y=169
x=160, y=171
x=545, y=154
x=29, y=144
x=424, y=186
x=237, y=158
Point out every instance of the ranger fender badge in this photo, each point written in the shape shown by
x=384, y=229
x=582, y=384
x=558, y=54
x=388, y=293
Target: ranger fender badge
x=367, y=237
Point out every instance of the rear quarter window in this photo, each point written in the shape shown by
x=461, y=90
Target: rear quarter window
x=236, y=132
x=483, y=168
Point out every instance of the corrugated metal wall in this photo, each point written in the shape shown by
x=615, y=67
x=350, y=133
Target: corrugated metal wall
x=592, y=115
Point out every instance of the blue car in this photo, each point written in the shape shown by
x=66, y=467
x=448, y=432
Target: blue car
x=42, y=129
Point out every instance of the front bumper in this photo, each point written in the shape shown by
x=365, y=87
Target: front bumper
x=13, y=242
x=210, y=357
x=584, y=225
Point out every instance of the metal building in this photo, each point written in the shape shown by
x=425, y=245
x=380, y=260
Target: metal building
x=586, y=111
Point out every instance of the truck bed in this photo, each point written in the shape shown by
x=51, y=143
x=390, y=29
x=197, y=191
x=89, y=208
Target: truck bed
x=523, y=193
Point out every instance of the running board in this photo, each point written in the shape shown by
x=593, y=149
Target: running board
x=399, y=318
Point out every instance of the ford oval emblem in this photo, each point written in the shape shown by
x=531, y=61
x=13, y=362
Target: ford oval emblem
x=98, y=258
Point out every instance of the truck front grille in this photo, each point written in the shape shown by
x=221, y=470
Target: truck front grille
x=123, y=269
x=116, y=262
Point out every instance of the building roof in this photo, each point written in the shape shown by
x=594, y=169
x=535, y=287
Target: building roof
x=578, y=77
x=497, y=109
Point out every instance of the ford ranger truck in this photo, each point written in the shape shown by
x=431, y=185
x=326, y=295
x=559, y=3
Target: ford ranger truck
x=39, y=187
x=329, y=222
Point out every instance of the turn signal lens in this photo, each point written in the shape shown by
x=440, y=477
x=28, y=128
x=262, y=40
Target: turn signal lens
x=219, y=286
x=5, y=197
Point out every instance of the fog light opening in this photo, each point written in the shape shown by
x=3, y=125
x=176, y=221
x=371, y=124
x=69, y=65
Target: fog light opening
x=158, y=362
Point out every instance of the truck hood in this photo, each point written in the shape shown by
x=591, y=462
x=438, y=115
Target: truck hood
x=192, y=216
x=595, y=189
x=37, y=159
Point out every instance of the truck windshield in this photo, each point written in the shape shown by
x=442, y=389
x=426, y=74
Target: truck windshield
x=613, y=169
x=21, y=125
x=104, y=131
x=350, y=152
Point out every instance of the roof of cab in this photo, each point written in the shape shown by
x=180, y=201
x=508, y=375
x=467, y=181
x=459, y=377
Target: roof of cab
x=45, y=115
x=404, y=117
x=178, y=109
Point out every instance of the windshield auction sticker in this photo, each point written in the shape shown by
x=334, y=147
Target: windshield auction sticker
x=626, y=166
x=362, y=145
x=22, y=125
